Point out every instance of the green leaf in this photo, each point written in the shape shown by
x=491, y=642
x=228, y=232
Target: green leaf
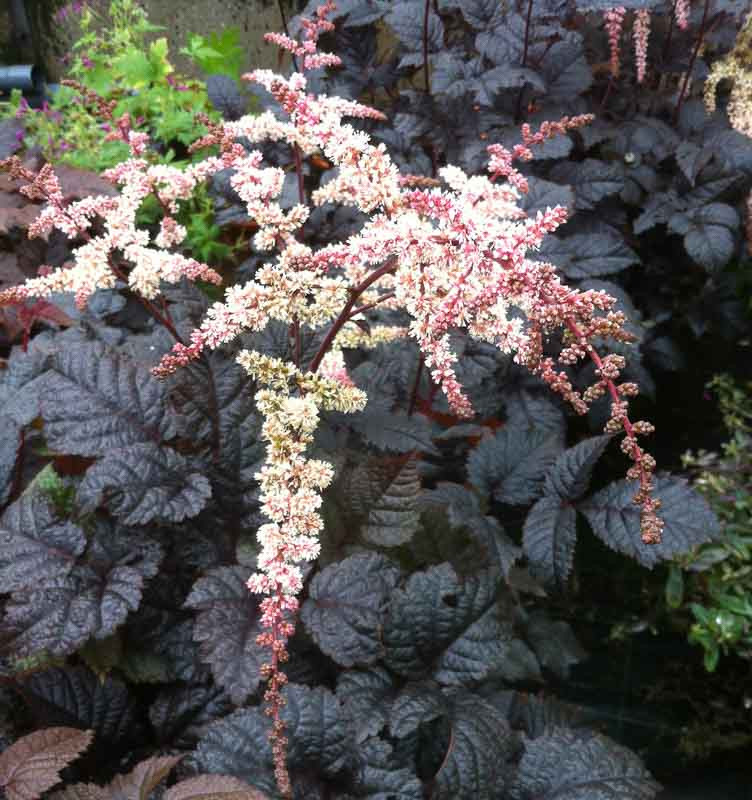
x=344, y=612
x=135, y=68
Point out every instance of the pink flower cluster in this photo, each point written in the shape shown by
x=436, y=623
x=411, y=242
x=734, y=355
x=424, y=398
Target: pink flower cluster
x=614, y=21
x=641, y=34
x=123, y=248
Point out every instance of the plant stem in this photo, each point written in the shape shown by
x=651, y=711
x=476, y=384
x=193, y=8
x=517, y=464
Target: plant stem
x=151, y=308
x=287, y=32
x=346, y=312
x=361, y=309
x=670, y=33
x=426, y=12
x=526, y=44
x=416, y=386
x=693, y=58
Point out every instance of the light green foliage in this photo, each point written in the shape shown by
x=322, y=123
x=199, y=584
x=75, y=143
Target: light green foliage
x=202, y=239
x=117, y=57
x=715, y=580
x=217, y=53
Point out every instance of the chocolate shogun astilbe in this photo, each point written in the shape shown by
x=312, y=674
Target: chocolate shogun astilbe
x=461, y=256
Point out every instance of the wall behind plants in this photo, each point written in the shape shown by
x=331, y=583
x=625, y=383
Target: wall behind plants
x=179, y=18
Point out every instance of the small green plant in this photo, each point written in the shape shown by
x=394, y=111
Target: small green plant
x=218, y=53
x=114, y=59
x=715, y=580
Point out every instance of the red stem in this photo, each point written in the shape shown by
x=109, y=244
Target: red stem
x=426, y=12
x=526, y=44
x=367, y=306
x=695, y=52
x=346, y=312
x=151, y=308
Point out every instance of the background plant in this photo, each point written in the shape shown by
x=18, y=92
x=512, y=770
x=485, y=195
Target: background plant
x=116, y=57
x=713, y=581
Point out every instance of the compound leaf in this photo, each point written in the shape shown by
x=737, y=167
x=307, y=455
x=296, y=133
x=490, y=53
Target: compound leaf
x=382, y=776
x=406, y=20
x=345, y=608
x=455, y=627
x=226, y=627
x=481, y=742
x=615, y=518
x=709, y=233
x=178, y=713
x=395, y=432
x=144, y=482
x=589, y=255
x=366, y=697
x=10, y=444
x=213, y=787
x=60, y=613
x=225, y=95
x=141, y=781
x=415, y=705
x=35, y=545
x=511, y=464
x=569, y=476
x=318, y=739
x=575, y=764
x=95, y=400
x=32, y=765
x=548, y=540
x=394, y=517
x=592, y=180
x=75, y=696
x=554, y=643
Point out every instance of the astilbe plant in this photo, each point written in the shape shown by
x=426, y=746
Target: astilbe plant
x=458, y=257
